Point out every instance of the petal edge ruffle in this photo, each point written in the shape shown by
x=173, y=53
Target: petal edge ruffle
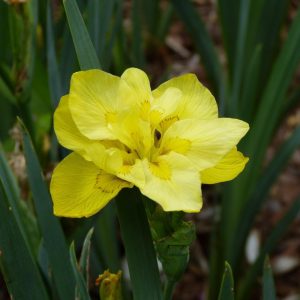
x=80, y=189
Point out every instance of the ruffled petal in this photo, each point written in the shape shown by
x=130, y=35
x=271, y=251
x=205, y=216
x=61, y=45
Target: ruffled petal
x=132, y=171
x=229, y=167
x=133, y=132
x=70, y=137
x=165, y=105
x=80, y=189
x=196, y=102
x=139, y=83
x=173, y=182
x=204, y=143
x=95, y=97
x=66, y=131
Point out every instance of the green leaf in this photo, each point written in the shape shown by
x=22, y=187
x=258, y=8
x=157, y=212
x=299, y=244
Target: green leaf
x=85, y=256
x=81, y=288
x=138, y=57
x=100, y=16
x=227, y=285
x=68, y=63
x=23, y=216
x=268, y=282
x=229, y=12
x=173, y=237
x=260, y=134
x=120, y=54
x=264, y=28
x=5, y=52
x=105, y=240
x=85, y=51
x=165, y=23
x=149, y=12
x=250, y=86
x=132, y=217
x=22, y=26
x=272, y=103
x=138, y=244
x=255, y=24
x=53, y=72
x=270, y=243
x=203, y=44
x=17, y=265
x=11, y=189
x=115, y=27
x=50, y=227
x=6, y=93
x=93, y=23
x=261, y=191
x=238, y=66
x=291, y=102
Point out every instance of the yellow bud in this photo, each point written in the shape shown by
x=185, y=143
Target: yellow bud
x=109, y=286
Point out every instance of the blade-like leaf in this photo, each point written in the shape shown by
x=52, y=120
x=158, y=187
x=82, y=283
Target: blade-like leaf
x=17, y=265
x=292, y=101
x=23, y=216
x=268, y=282
x=53, y=73
x=270, y=243
x=203, y=44
x=85, y=51
x=11, y=187
x=132, y=217
x=249, y=93
x=99, y=21
x=50, y=227
x=228, y=12
x=138, y=246
x=85, y=256
x=106, y=243
x=68, y=63
x=238, y=66
x=256, y=142
x=137, y=40
x=115, y=27
x=6, y=93
x=264, y=28
x=262, y=189
x=93, y=23
x=149, y=11
x=227, y=285
x=81, y=288
x=271, y=104
x=120, y=52
x=165, y=22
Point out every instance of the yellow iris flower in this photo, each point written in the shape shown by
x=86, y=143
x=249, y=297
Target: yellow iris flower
x=166, y=142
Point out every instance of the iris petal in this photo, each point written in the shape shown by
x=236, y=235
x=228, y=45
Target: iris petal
x=203, y=142
x=139, y=82
x=196, y=102
x=70, y=137
x=95, y=97
x=229, y=167
x=80, y=189
x=165, y=142
x=173, y=182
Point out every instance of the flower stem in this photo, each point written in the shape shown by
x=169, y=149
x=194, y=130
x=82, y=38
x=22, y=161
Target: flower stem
x=138, y=245
x=169, y=288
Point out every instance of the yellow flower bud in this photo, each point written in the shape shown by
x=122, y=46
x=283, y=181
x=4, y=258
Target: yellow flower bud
x=109, y=286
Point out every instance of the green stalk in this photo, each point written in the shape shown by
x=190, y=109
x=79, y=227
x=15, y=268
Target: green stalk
x=132, y=217
x=169, y=288
x=138, y=244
